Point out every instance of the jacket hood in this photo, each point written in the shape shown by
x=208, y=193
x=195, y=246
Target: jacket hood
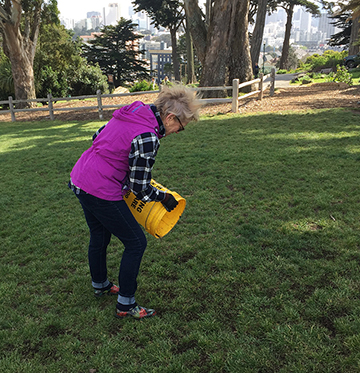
x=136, y=110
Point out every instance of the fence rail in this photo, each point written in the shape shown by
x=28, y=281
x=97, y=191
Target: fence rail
x=100, y=107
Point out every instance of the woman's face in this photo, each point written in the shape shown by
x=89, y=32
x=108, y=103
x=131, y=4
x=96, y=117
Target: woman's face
x=173, y=124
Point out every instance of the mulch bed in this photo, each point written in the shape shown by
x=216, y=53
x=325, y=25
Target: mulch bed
x=296, y=98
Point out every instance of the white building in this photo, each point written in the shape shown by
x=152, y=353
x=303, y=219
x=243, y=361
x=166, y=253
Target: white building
x=68, y=23
x=142, y=20
x=111, y=14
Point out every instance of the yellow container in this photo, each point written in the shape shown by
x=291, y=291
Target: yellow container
x=152, y=215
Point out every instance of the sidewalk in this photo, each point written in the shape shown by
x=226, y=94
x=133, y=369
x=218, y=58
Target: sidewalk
x=282, y=80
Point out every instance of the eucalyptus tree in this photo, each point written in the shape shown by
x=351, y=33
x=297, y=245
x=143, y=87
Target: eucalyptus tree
x=19, y=27
x=260, y=8
x=165, y=13
x=354, y=7
x=221, y=40
x=288, y=6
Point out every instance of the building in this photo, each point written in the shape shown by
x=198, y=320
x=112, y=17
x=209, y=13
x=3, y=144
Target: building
x=158, y=60
x=142, y=20
x=87, y=38
x=148, y=45
x=68, y=23
x=325, y=25
x=111, y=14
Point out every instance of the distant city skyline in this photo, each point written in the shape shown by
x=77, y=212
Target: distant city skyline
x=77, y=9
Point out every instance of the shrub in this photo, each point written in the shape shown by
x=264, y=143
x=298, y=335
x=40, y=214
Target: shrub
x=142, y=86
x=281, y=72
x=87, y=79
x=52, y=82
x=343, y=75
x=328, y=59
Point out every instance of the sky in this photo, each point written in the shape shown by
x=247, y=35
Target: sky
x=77, y=9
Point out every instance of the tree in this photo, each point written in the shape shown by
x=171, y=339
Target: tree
x=59, y=67
x=190, y=65
x=190, y=58
x=341, y=21
x=116, y=52
x=56, y=54
x=354, y=6
x=288, y=6
x=351, y=8
x=87, y=80
x=354, y=36
x=221, y=41
x=168, y=14
x=19, y=27
x=262, y=7
x=6, y=78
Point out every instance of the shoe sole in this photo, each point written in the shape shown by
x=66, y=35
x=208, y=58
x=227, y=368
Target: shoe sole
x=102, y=294
x=136, y=318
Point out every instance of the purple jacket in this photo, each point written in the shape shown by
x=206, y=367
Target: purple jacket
x=103, y=168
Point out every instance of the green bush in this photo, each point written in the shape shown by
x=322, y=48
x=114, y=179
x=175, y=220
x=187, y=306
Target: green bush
x=281, y=72
x=143, y=86
x=343, y=75
x=86, y=80
x=52, y=82
x=328, y=59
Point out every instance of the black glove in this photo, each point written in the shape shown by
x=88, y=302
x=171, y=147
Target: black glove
x=169, y=202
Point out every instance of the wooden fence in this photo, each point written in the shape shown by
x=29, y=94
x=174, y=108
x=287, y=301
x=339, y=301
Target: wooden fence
x=100, y=107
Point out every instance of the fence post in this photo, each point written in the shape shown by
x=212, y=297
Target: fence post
x=50, y=106
x=100, y=108
x=235, y=96
x=272, y=82
x=261, y=84
x=11, y=107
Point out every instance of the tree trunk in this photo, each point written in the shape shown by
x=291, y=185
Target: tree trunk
x=19, y=41
x=208, y=6
x=257, y=36
x=21, y=65
x=224, y=51
x=175, y=57
x=197, y=28
x=239, y=59
x=354, y=37
x=190, y=70
x=286, y=44
x=215, y=66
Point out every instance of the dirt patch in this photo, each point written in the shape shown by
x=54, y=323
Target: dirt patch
x=297, y=98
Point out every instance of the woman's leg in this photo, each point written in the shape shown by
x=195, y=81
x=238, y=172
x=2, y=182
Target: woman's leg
x=99, y=241
x=114, y=217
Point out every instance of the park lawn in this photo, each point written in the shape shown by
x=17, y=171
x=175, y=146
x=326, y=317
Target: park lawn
x=261, y=274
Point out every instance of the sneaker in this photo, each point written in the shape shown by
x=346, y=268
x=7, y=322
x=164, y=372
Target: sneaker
x=137, y=312
x=111, y=290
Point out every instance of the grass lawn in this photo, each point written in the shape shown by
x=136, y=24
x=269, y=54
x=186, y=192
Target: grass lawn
x=261, y=274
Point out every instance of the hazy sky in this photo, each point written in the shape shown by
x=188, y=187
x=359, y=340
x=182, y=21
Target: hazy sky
x=77, y=9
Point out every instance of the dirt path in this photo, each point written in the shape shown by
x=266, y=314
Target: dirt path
x=315, y=96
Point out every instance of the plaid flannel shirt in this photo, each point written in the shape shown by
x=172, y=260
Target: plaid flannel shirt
x=141, y=162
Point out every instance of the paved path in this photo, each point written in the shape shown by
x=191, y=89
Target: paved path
x=282, y=80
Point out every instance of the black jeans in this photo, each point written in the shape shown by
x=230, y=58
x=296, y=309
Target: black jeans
x=105, y=218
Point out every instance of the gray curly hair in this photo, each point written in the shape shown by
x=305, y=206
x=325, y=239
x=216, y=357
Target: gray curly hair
x=180, y=101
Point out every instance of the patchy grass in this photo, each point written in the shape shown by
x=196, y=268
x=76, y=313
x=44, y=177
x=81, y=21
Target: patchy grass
x=260, y=275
